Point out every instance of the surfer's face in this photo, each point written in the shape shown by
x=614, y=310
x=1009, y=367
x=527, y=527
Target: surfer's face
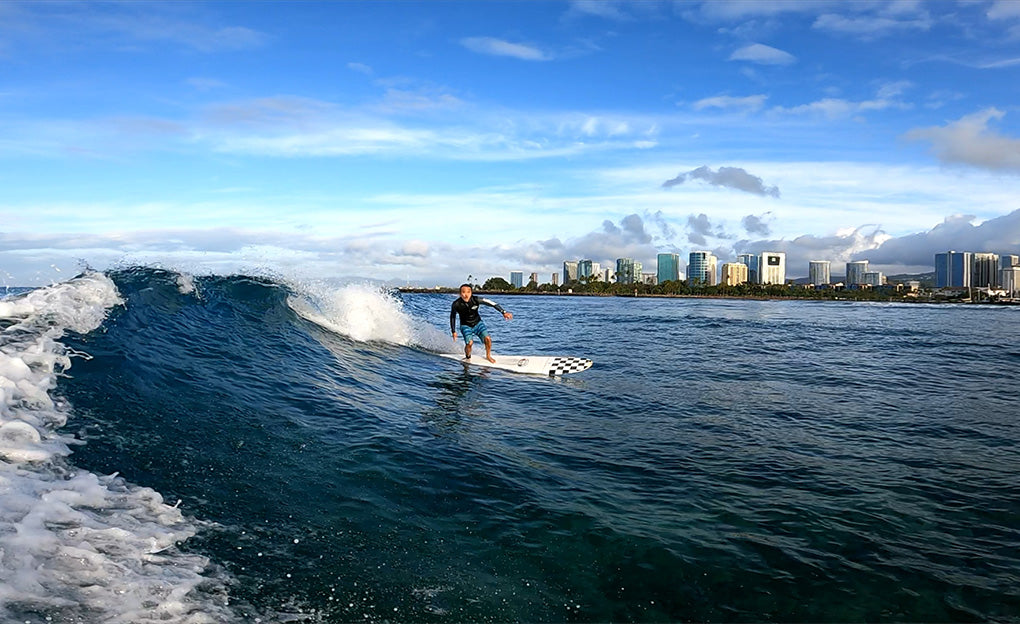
x=465, y=293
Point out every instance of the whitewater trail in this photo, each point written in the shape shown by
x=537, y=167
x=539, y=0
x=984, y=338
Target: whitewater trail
x=366, y=314
x=76, y=546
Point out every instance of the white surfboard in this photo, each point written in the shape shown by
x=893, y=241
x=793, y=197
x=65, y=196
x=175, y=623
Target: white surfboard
x=529, y=364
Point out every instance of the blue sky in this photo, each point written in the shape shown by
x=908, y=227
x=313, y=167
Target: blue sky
x=425, y=141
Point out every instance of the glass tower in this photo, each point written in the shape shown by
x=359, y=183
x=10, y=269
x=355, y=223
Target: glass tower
x=953, y=269
x=667, y=267
x=701, y=268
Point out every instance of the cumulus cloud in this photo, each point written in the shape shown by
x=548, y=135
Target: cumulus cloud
x=969, y=141
x=415, y=248
x=754, y=224
x=837, y=248
x=728, y=177
x=958, y=232
x=763, y=55
x=500, y=47
x=628, y=238
x=699, y=228
x=912, y=253
x=666, y=230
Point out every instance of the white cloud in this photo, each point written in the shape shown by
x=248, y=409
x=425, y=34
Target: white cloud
x=969, y=141
x=729, y=10
x=837, y=107
x=607, y=9
x=763, y=55
x=871, y=26
x=749, y=103
x=500, y=47
x=1004, y=10
x=126, y=24
x=361, y=68
x=996, y=235
x=415, y=248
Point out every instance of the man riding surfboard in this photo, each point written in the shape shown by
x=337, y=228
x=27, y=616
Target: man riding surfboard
x=471, y=323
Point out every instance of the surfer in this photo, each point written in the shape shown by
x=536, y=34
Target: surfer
x=471, y=323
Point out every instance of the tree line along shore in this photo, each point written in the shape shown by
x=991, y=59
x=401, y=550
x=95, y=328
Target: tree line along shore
x=683, y=289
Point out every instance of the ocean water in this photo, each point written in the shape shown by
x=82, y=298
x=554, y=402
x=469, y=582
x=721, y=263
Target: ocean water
x=239, y=449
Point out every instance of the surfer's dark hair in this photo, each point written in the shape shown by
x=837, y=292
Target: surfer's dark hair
x=466, y=285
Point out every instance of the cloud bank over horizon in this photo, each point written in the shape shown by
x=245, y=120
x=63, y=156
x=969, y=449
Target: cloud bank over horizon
x=638, y=236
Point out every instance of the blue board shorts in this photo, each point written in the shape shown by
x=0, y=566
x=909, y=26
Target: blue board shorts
x=469, y=332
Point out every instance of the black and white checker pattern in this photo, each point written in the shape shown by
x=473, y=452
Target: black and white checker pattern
x=564, y=365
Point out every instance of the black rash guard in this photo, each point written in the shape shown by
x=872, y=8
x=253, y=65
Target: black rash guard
x=468, y=311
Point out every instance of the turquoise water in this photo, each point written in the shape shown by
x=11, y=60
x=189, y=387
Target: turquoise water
x=722, y=461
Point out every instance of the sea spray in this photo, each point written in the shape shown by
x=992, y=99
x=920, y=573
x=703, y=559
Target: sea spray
x=77, y=546
x=365, y=313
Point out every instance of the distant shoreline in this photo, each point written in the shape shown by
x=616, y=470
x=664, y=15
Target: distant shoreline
x=912, y=300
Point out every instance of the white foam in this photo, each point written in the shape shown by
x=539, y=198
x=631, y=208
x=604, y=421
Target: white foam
x=75, y=546
x=185, y=283
x=365, y=313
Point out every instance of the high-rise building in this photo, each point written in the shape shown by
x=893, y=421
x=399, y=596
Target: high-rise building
x=533, y=278
x=772, y=267
x=873, y=278
x=985, y=270
x=517, y=279
x=701, y=268
x=818, y=272
x=953, y=269
x=667, y=267
x=733, y=273
x=569, y=271
x=555, y=279
x=1007, y=261
x=649, y=278
x=607, y=275
x=751, y=261
x=855, y=272
x=1011, y=280
x=625, y=271
x=584, y=270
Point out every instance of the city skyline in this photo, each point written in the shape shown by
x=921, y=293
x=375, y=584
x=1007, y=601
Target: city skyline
x=951, y=269
x=138, y=133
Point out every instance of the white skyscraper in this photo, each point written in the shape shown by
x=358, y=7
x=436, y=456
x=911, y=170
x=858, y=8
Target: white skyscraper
x=855, y=272
x=772, y=267
x=569, y=271
x=818, y=272
x=1011, y=281
x=873, y=279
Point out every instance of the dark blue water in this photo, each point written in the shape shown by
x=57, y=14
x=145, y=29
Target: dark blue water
x=723, y=460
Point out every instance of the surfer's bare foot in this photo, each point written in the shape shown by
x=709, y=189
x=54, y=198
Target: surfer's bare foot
x=489, y=357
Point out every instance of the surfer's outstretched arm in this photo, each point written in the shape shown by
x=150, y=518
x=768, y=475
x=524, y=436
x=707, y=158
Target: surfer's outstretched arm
x=493, y=304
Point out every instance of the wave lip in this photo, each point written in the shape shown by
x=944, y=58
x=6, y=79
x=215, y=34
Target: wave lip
x=75, y=546
x=365, y=313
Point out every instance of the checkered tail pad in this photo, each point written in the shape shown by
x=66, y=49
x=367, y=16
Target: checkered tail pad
x=564, y=365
